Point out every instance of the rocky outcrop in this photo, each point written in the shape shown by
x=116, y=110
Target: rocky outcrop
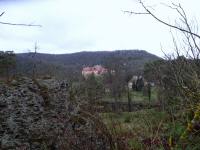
x=37, y=115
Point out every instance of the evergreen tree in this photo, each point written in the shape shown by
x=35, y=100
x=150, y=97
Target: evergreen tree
x=7, y=63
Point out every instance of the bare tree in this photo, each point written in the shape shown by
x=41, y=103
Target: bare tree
x=184, y=70
x=192, y=38
x=34, y=63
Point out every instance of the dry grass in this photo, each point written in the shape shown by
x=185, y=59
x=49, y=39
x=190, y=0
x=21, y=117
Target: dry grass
x=140, y=130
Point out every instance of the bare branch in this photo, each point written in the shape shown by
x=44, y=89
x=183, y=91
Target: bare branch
x=136, y=13
x=189, y=28
x=2, y=14
x=166, y=5
x=175, y=45
x=20, y=24
x=17, y=24
x=163, y=22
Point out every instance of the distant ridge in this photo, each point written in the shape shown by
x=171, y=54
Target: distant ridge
x=135, y=60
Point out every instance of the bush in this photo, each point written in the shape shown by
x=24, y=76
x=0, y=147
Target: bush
x=127, y=119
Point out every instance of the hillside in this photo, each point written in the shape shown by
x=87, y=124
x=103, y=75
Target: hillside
x=63, y=63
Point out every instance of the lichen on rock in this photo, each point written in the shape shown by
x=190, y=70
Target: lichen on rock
x=29, y=119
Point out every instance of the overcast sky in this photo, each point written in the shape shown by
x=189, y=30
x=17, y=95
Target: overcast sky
x=79, y=25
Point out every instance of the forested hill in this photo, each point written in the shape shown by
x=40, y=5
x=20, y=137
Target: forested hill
x=134, y=59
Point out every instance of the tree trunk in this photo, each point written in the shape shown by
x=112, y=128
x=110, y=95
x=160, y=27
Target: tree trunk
x=129, y=100
x=7, y=75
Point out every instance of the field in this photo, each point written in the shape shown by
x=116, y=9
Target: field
x=144, y=129
x=137, y=97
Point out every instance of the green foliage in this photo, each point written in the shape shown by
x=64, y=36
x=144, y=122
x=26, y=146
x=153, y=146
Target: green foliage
x=127, y=119
x=94, y=89
x=137, y=127
x=172, y=77
x=174, y=129
x=179, y=81
x=153, y=70
x=7, y=63
x=135, y=144
x=7, y=59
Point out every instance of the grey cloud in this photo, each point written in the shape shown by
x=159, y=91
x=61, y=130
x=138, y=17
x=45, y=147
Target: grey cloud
x=74, y=25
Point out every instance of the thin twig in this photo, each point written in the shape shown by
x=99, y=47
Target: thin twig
x=148, y=12
x=20, y=24
x=136, y=13
x=17, y=24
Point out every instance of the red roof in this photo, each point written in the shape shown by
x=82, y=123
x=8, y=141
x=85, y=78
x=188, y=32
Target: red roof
x=98, y=69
